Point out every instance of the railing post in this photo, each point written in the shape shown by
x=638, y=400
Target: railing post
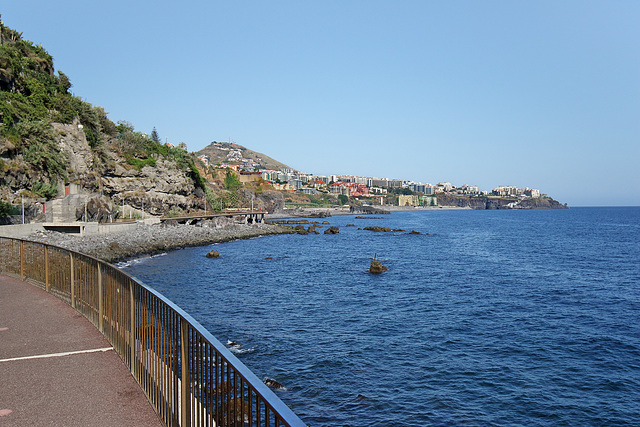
x=47, y=285
x=22, y=260
x=73, y=285
x=100, y=301
x=132, y=333
x=185, y=392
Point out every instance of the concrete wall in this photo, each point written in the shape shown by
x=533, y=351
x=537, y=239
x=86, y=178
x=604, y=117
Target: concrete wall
x=87, y=228
x=20, y=230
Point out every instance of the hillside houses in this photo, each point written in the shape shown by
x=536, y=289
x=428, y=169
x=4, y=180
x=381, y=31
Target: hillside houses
x=287, y=179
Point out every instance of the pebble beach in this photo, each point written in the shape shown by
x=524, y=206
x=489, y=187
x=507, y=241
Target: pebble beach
x=152, y=239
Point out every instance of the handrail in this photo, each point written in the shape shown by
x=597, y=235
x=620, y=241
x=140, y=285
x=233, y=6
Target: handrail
x=189, y=377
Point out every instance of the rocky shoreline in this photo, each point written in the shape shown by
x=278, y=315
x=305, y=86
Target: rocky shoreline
x=154, y=239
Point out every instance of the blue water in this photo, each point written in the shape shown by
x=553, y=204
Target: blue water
x=494, y=318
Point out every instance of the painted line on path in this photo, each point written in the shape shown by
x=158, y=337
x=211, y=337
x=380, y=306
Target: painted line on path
x=46, y=356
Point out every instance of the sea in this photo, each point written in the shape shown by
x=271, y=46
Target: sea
x=485, y=318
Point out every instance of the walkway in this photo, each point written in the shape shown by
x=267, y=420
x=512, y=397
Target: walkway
x=56, y=369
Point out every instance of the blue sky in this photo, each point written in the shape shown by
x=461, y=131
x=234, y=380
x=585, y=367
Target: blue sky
x=544, y=94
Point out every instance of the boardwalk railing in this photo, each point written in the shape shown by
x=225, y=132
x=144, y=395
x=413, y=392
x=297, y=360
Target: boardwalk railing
x=190, y=378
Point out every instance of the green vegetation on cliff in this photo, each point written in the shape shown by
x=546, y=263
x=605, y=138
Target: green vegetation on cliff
x=33, y=98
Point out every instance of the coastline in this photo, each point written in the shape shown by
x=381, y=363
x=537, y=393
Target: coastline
x=154, y=239
x=334, y=211
x=158, y=238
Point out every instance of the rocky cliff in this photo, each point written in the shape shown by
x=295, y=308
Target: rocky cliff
x=485, y=202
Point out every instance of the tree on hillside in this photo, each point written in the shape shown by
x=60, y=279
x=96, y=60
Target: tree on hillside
x=154, y=135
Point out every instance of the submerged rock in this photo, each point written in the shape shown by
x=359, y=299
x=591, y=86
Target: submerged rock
x=213, y=254
x=332, y=230
x=273, y=383
x=377, y=228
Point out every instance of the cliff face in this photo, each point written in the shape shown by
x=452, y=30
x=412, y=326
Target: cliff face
x=52, y=142
x=484, y=202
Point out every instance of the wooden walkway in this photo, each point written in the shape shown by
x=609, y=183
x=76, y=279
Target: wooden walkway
x=57, y=369
x=250, y=215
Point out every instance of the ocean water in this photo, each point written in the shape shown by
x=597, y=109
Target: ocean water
x=493, y=318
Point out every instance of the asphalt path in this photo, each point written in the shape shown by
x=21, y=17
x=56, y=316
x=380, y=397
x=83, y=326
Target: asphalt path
x=57, y=369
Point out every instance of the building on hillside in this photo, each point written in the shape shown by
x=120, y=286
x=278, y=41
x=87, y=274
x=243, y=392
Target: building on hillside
x=415, y=200
x=470, y=189
x=378, y=182
x=339, y=188
x=297, y=184
x=428, y=200
x=408, y=200
x=446, y=186
x=532, y=192
x=358, y=190
x=283, y=187
x=310, y=191
x=377, y=190
x=246, y=177
x=319, y=178
x=422, y=188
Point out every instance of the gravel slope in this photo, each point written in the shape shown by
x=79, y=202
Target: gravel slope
x=150, y=239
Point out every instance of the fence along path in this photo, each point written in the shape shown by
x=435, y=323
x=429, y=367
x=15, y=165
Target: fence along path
x=50, y=356
x=189, y=377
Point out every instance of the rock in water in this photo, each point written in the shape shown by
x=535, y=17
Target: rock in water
x=332, y=230
x=273, y=383
x=377, y=267
x=213, y=254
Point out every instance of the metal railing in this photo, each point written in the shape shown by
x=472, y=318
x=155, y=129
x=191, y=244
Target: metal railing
x=189, y=377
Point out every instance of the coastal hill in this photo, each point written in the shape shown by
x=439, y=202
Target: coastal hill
x=54, y=144
x=218, y=153
x=59, y=153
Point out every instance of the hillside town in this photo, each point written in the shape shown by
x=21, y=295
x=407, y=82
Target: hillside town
x=372, y=189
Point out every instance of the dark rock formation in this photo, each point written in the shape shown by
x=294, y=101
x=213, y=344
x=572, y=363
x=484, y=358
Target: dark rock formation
x=99, y=209
x=323, y=214
x=370, y=210
x=377, y=228
x=332, y=230
x=287, y=221
x=213, y=254
x=485, y=202
x=273, y=383
x=301, y=230
x=376, y=267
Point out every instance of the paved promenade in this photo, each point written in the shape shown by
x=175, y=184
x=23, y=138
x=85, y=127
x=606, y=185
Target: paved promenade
x=56, y=369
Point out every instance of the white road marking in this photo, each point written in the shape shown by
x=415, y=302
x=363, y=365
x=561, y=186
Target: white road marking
x=45, y=356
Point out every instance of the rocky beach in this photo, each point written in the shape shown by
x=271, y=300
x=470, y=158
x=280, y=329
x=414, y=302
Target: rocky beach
x=152, y=239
